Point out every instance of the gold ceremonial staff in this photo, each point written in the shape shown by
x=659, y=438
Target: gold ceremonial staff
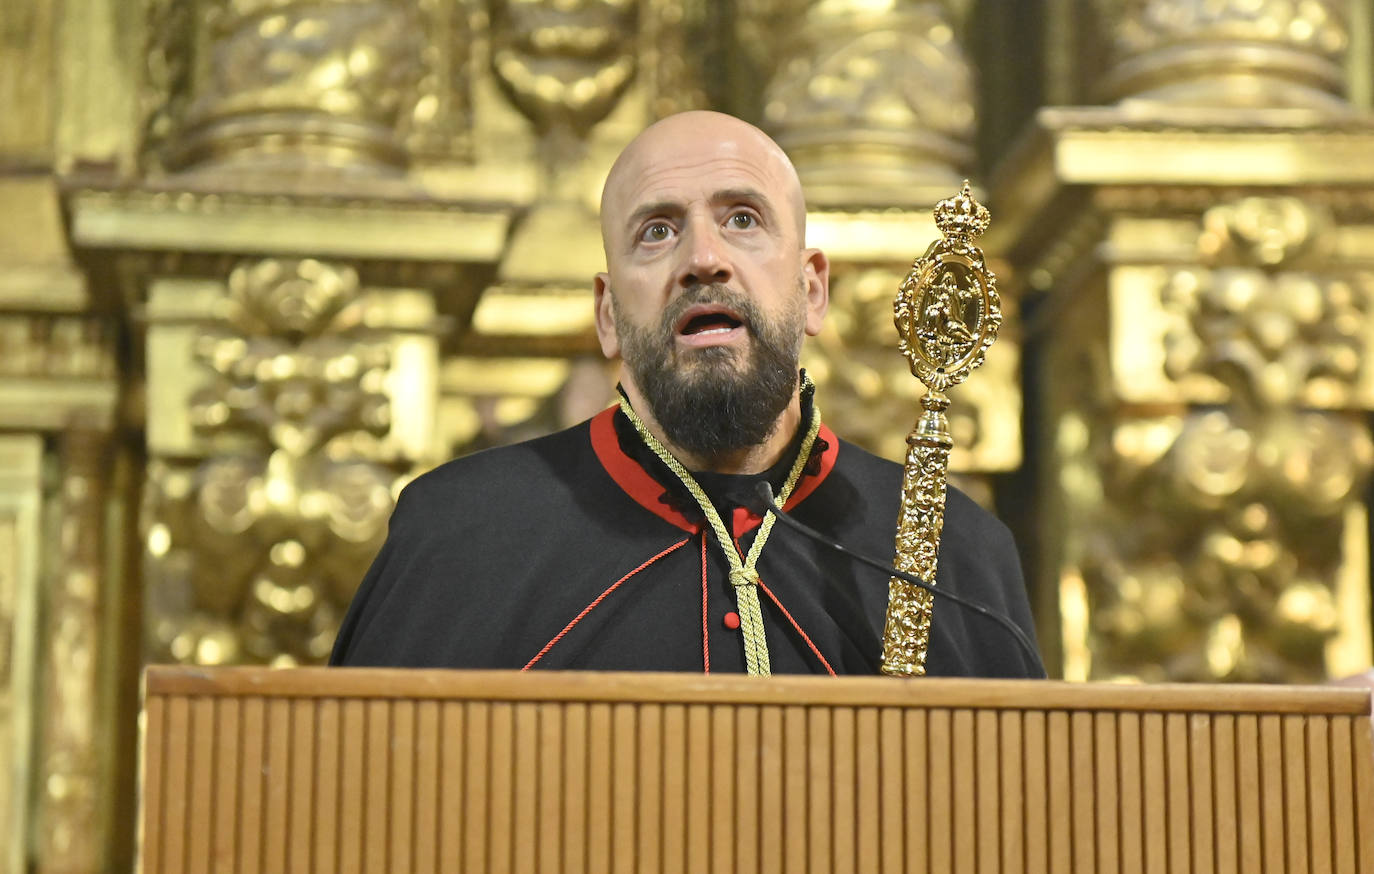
x=947, y=314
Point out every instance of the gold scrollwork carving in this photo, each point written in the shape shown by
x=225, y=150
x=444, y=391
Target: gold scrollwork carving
x=1232, y=574
x=251, y=554
x=564, y=65
x=252, y=559
x=289, y=369
x=1232, y=577
x=437, y=124
x=1257, y=322
x=57, y=346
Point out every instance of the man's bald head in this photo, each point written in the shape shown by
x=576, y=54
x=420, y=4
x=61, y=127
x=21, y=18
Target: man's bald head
x=694, y=142
x=709, y=289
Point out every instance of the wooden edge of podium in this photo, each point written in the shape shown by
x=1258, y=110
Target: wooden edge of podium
x=591, y=686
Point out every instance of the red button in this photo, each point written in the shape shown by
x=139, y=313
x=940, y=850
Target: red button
x=732, y=621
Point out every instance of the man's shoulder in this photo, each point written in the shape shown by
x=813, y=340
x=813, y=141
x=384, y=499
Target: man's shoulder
x=858, y=461
x=510, y=468
x=880, y=479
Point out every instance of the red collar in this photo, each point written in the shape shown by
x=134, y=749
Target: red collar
x=646, y=491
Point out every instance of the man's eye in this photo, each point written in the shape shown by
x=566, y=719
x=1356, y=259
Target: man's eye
x=656, y=232
x=743, y=221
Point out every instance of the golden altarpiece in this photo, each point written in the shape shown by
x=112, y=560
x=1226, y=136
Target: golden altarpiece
x=262, y=261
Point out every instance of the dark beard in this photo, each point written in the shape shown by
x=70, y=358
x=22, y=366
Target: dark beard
x=704, y=402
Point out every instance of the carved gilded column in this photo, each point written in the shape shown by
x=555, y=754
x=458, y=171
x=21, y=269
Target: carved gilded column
x=1197, y=260
x=71, y=816
x=395, y=166
x=59, y=392
x=309, y=218
x=875, y=105
x=60, y=661
x=21, y=502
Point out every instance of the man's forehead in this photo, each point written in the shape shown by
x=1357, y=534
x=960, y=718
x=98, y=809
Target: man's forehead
x=700, y=168
x=693, y=155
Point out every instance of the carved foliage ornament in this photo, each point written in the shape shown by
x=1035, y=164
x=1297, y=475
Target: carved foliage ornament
x=253, y=553
x=1248, y=501
x=252, y=560
x=564, y=65
x=1253, y=319
x=1231, y=576
x=291, y=369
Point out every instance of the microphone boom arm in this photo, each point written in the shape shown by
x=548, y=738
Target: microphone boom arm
x=1027, y=648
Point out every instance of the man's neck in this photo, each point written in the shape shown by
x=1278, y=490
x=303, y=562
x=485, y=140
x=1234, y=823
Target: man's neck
x=749, y=460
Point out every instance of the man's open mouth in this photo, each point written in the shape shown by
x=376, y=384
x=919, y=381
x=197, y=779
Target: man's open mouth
x=708, y=319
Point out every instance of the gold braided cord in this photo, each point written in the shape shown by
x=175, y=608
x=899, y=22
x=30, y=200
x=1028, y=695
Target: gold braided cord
x=743, y=575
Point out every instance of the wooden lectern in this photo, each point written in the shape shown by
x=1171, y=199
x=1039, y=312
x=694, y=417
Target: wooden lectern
x=399, y=771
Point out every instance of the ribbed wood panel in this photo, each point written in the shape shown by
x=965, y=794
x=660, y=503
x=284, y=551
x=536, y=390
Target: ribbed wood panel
x=369, y=771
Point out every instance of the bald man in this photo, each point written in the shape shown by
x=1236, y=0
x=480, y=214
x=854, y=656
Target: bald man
x=635, y=540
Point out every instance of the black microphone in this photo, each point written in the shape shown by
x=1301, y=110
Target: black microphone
x=765, y=492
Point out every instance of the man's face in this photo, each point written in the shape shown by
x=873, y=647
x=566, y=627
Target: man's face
x=709, y=291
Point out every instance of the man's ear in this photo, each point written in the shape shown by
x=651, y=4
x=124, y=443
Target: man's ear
x=816, y=277
x=605, y=316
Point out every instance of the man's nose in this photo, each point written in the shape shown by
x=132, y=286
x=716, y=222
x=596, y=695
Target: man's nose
x=706, y=261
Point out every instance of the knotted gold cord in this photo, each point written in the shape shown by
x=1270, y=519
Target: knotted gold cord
x=743, y=575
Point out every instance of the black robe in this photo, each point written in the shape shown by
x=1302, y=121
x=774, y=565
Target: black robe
x=580, y=550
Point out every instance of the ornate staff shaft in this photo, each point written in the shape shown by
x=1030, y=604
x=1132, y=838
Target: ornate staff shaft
x=947, y=314
x=909, y=608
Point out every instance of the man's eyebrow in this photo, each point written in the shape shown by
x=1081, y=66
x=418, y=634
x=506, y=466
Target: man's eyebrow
x=725, y=195
x=747, y=195
x=664, y=207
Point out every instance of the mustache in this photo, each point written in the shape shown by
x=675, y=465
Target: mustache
x=715, y=293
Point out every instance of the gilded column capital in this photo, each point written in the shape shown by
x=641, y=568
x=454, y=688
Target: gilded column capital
x=875, y=104
x=1233, y=53
x=282, y=85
